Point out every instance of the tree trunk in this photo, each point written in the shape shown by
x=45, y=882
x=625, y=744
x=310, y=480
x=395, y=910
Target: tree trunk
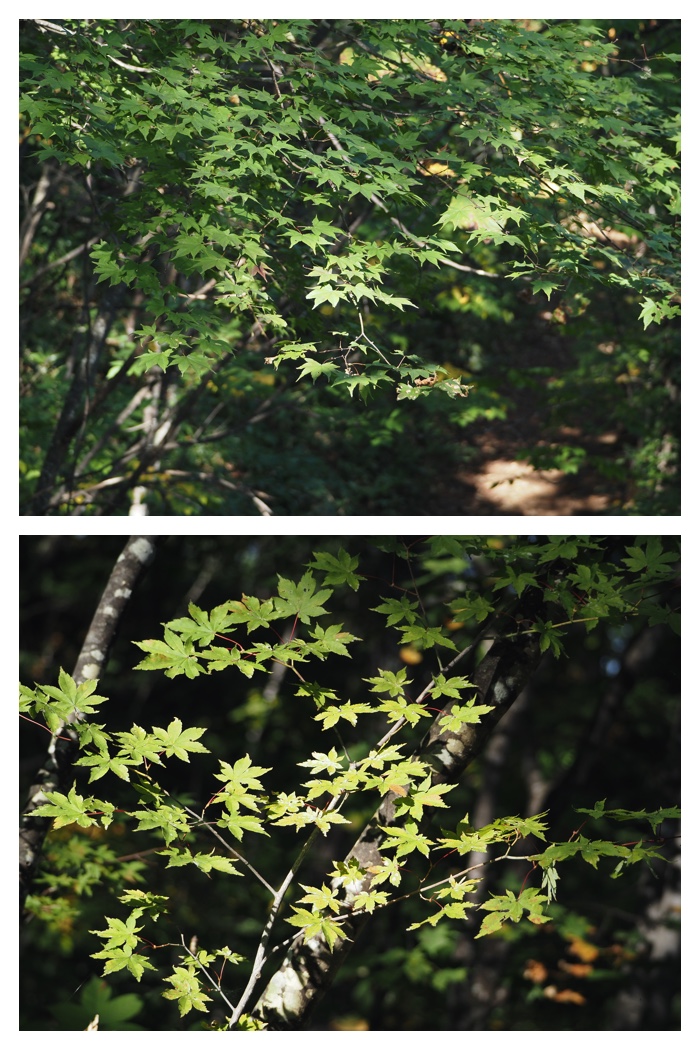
x=56, y=772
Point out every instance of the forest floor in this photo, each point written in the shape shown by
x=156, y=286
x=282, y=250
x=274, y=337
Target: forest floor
x=496, y=482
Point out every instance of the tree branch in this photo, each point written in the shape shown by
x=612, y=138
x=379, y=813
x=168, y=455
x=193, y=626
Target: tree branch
x=35, y=213
x=308, y=969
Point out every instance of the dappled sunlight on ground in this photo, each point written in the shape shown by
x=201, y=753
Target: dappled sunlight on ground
x=510, y=487
x=497, y=482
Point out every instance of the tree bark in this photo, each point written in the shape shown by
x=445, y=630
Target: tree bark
x=55, y=774
x=75, y=409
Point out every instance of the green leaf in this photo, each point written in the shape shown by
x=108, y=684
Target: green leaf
x=187, y=990
x=302, y=599
x=120, y=933
x=397, y=610
x=318, y=694
x=517, y=580
x=326, y=293
x=349, y=711
x=654, y=817
x=74, y=809
x=426, y=794
x=426, y=637
x=321, y=898
x=115, y=1011
x=550, y=637
x=206, y=862
x=469, y=213
x=102, y=763
x=338, y=569
x=471, y=607
x=124, y=959
x=314, y=925
x=460, y=715
x=654, y=312
x=62, y=704
x=171, y=821
x=145, y=901
x=404, y=840
x=331, y=639
x=368, y=900
x=322, y=763
x=325, y=820
x=317, y=368
x=390, y=871
x=391, y=682
x=651, y=558
x=202, y=627
x=550, y=877
x=400, y=707
x=508, y=908
x=546, y=285
x=140, y=746
x=174, y=656
x=237, y=824
x=178, y=741
x=450, y=686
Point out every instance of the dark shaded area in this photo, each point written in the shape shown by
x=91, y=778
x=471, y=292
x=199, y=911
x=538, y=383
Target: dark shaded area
x=604, y=723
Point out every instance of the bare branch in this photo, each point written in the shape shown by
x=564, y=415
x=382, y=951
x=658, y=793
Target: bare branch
x=59, y=262
x=125, y=65
x=52, y=27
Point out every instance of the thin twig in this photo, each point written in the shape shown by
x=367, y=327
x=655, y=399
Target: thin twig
x=230, y=849
x=260, y=955
x=206, y=973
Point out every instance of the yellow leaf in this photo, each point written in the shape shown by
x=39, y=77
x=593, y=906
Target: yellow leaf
x=582, y=949
x=535, y=971
x=434, y=167
x=409, y=655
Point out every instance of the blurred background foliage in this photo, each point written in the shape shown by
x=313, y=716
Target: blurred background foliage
x=603, y=722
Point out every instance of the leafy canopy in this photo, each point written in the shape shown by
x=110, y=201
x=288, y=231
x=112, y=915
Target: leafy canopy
x=255, y=153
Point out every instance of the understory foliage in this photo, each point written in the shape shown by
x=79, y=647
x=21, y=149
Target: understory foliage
x=389, y=738
x=259, y=255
